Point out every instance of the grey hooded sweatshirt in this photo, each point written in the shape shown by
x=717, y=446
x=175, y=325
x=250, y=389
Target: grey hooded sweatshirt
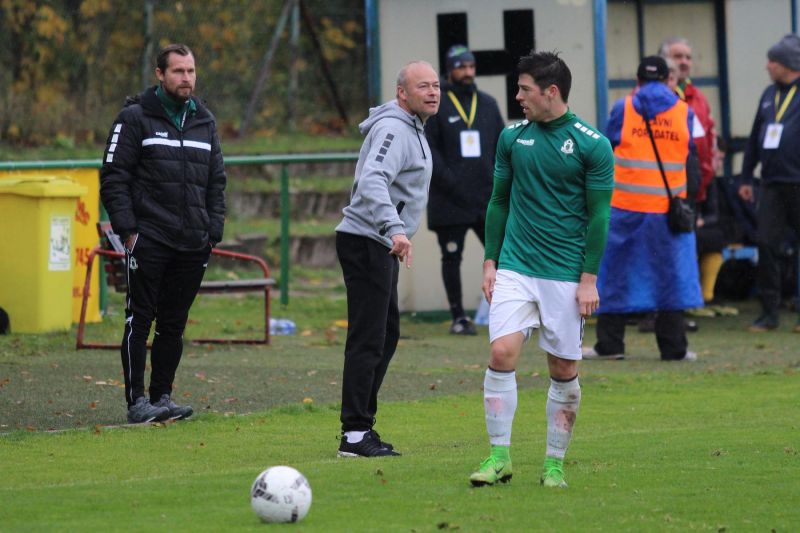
x=392, y=178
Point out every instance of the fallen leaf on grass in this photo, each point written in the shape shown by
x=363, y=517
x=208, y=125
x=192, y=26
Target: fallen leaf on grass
x=93, y=405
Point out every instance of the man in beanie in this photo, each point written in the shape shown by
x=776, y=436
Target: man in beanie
x=462, y=137
x=775, y=144
x=646, y=267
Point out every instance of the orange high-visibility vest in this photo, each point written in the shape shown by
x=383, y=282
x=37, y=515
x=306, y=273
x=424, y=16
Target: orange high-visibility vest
x=638, y=185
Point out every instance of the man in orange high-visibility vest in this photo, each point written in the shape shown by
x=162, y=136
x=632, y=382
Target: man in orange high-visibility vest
x=647, y=267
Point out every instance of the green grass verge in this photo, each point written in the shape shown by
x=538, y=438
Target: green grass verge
x=674, y=452
x=657, y=447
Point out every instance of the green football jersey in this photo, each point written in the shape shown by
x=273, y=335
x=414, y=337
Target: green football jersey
x=551, y=165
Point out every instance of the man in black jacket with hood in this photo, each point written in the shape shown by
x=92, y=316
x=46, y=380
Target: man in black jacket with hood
x=162, y=184
x=463, y=137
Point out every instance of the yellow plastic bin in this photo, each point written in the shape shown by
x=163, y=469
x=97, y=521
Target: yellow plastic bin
x=36, y=258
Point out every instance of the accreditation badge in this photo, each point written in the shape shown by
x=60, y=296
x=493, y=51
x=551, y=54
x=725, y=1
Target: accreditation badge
x=470, y=143
x=773, y=136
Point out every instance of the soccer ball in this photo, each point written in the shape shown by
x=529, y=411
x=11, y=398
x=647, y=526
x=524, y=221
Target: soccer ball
x=280, y=494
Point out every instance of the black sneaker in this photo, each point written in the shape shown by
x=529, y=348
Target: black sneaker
x=176, y=412
x=369, y=446
x=766, y=322
x=463, y=326
x=387, y=445
x=143, y=411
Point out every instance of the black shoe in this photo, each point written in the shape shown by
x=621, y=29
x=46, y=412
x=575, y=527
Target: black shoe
x=387, y=445
x=766, y=322
x=369, y=446
x=176, y=412
x=463, y=326
x=143, y=411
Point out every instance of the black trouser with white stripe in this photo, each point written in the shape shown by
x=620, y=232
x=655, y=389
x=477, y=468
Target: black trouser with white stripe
x=162, y=284
x=373, y=325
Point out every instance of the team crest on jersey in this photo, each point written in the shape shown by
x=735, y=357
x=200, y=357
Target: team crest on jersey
x=568, y=147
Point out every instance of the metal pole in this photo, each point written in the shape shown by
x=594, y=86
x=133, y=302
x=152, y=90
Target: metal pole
x=284, y=285
x=266, y=67
x=373, y=52
x=147, y=51
x=601, y=76
x=294, y=49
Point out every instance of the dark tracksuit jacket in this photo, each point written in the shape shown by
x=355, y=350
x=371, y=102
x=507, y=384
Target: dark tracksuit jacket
x=461, y=187
x=166, y=184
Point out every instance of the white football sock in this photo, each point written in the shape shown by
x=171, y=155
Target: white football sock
x=563, y=400
x=499, y=403
x=354, y=436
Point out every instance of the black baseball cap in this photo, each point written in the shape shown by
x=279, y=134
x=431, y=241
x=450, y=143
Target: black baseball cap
x=652, y=68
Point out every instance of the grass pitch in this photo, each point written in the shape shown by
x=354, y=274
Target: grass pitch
x=709, y=446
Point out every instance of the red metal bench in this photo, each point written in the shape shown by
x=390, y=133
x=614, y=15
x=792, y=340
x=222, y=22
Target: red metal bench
x=115, y=275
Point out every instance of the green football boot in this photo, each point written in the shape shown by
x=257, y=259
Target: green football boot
x=491, y=471
x=553, y=473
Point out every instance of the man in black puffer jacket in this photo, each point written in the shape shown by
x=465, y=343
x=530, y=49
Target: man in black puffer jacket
x=463, y=137
x=162, y=184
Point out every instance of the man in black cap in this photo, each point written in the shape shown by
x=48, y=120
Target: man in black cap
x=463, y=138
x=775, y=144
x=646, y=267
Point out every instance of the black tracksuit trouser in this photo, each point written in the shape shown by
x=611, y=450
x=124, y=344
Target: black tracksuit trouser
x=778, y=210
x=162, y=285
x=373, y=325
x=451, y=242
x=670, y=334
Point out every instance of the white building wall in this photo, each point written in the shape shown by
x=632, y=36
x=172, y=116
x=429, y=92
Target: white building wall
x=408, y=32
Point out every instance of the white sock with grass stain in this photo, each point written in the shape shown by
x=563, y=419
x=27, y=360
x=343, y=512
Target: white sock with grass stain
x=563, y=400
x=499, y=403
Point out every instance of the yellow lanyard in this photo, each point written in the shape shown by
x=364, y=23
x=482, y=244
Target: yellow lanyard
x=682, y=92
x=473, y=108
x=780, y=111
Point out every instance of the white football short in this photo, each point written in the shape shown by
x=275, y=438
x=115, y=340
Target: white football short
x=523, y=303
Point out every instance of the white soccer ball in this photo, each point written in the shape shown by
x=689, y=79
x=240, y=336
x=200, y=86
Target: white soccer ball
x=280, y=494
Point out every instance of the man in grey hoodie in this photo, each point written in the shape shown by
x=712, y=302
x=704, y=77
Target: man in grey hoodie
x=389, y=195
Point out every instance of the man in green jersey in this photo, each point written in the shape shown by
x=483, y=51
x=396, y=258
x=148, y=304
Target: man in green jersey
x=546, y=229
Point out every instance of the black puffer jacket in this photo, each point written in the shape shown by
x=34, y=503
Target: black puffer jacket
x=161, y=182
x=461, y=187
